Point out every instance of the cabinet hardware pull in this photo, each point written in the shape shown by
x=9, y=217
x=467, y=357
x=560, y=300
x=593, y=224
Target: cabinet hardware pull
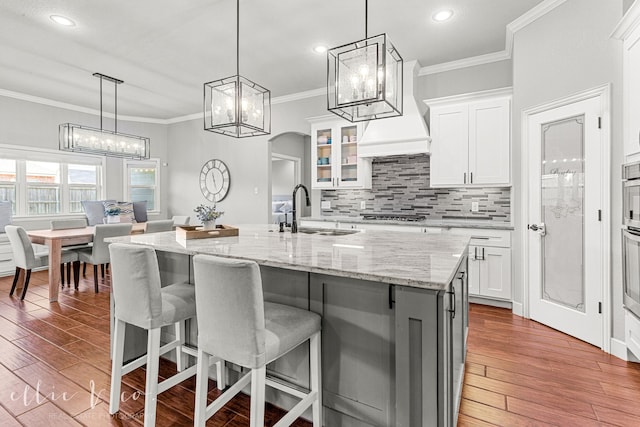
x=475, y=253
x=464, y=178
x=391, y=301
x=453, y=302
x=471, y=174
x=483, y=254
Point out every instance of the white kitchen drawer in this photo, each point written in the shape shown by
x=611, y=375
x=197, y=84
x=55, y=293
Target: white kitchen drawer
x=483, y=237
x=632, y=333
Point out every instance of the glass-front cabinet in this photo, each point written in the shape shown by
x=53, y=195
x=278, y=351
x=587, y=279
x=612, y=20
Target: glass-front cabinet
x=334, y=155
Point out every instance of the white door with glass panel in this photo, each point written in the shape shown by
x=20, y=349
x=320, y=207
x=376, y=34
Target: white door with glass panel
x=564, y=229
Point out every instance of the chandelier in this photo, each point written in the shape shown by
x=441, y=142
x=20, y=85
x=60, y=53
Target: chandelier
x=101, y=141
x=235, y=106
x=364, y=78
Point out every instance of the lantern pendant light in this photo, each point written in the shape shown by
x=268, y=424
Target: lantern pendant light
x=236, y=106
x=364, y=78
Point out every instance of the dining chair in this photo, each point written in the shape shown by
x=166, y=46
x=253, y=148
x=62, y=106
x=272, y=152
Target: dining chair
x=179, y=220
x=158, y=226
x=67, y=224
x=26, y=258
x=98, y=254
x=235, y=324
x=140, y=300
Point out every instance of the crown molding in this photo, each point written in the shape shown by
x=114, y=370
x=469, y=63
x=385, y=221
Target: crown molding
x=628, y=23
x=465, y=62
x=321, y=91
x=465, y=97
x=50, y=102
x=514, y=26
x=72, y=107
x=188, y=117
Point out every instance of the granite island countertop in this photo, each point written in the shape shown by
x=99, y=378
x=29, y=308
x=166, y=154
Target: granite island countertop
x=416, y=260
x=438, y=223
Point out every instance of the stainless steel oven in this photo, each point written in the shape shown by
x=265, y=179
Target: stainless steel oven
x=631, y=194
x=631, y=236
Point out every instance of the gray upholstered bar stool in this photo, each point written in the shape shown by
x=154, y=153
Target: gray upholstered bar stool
x=158, y=226
x=139, y=300
x=237, y=325
x=26, y=258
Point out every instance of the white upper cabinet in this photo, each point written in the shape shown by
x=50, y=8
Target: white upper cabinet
x=471, y=141
x=449, y=153
x=335, y=162
x=629, y=32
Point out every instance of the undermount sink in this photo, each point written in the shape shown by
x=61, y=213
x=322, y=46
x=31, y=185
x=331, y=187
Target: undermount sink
x=326, y=231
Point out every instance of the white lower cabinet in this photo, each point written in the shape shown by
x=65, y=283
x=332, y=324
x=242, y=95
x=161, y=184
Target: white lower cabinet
x=632, y=333
x=490, y=272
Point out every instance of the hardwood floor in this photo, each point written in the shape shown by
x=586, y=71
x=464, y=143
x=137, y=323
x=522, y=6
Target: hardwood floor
x=522, y=373
x=54, y=370
x=55, y=366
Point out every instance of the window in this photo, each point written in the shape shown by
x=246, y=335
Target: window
x=82, y=180
x=142, y=182
x=8, y=182
x=47, y=182
x=43, y=188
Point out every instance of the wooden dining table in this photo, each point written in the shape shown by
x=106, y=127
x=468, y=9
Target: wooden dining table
x=56, y=239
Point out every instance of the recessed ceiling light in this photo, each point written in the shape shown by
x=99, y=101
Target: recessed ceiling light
x=62, y=20
x=442, y=15
x=320, y=49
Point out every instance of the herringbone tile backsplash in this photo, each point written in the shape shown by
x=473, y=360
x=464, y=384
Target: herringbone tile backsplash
x=401, y=185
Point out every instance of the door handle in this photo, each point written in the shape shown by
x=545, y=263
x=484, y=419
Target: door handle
x=539, y=228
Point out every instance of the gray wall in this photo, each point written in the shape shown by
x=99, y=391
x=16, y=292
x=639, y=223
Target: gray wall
x=248, y=160
x=470, y=79
x=567, y=51
x=30, y=124
x=296, y=145
x=282, y=176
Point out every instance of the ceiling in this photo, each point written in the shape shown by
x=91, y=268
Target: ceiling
x=164, y=50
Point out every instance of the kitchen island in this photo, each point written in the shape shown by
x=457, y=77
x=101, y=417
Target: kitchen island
x=394, y=308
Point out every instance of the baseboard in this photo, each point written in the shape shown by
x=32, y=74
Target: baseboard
x=517, y=309
x=489, y=301
x=619, y=350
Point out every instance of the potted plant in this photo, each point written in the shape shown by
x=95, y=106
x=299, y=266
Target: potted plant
x=113, y=214
x=208, y=216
